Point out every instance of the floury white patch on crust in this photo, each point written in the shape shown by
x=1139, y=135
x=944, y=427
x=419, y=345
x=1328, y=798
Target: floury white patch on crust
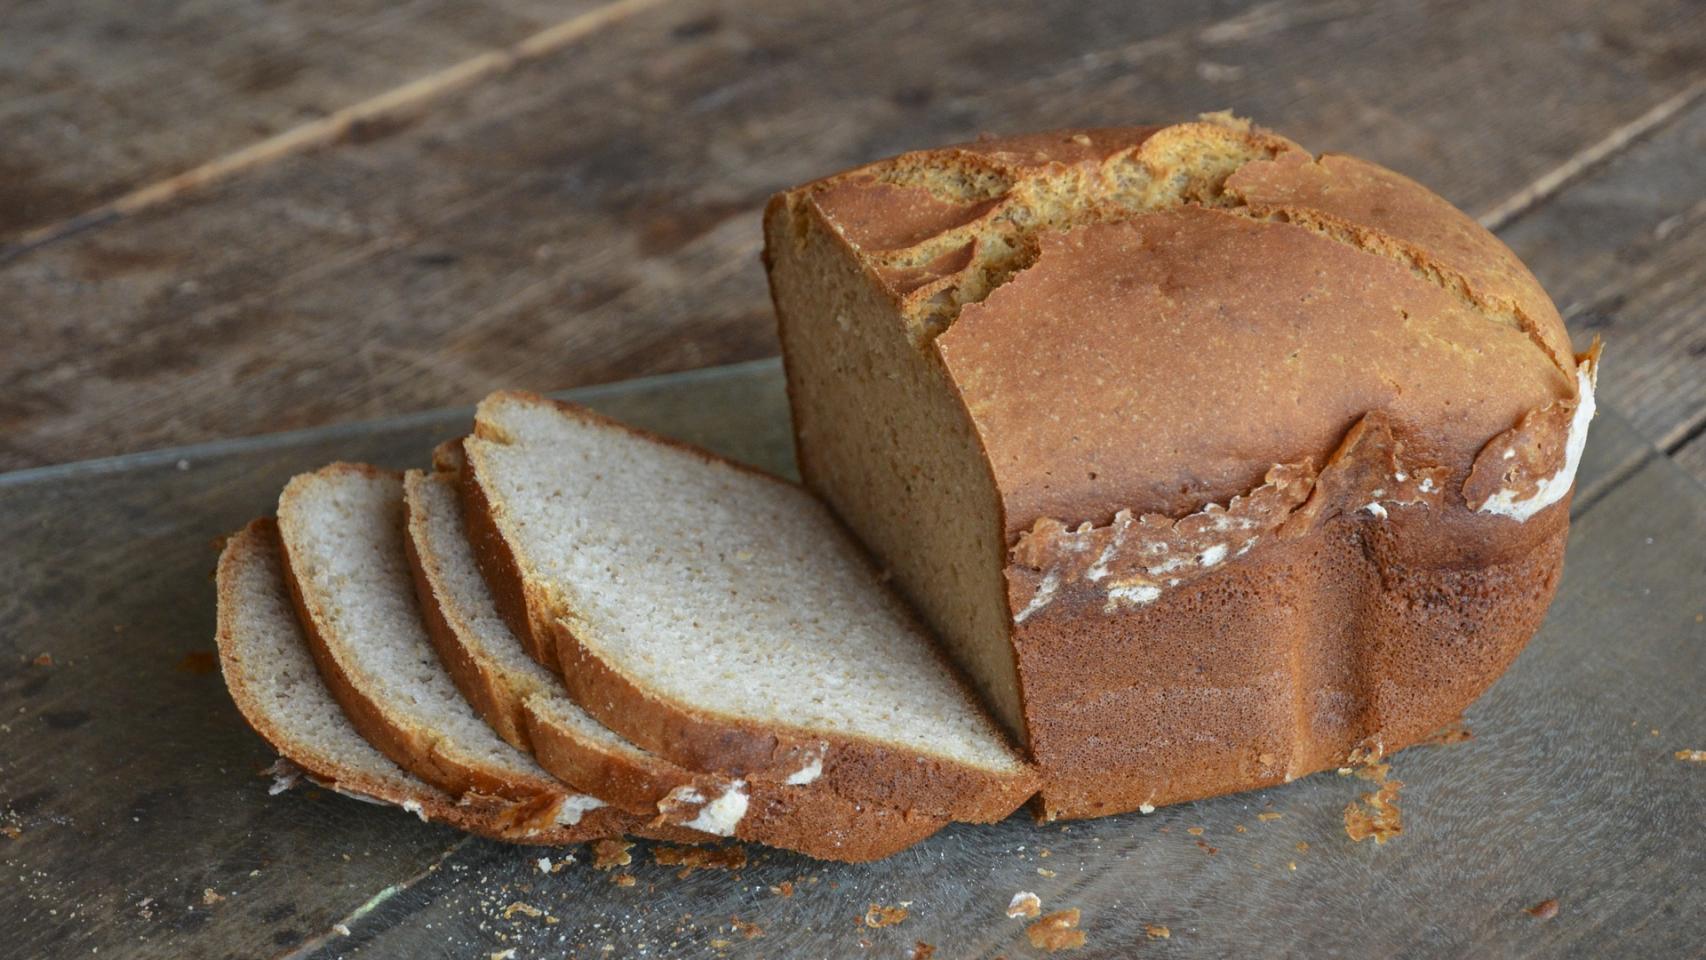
x=575, y=806
x=809, y=772
x=1136, y=559
x=1508, y=502
x=720, y=817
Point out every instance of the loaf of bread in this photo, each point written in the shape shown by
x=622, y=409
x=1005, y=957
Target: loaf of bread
x=1210, y=460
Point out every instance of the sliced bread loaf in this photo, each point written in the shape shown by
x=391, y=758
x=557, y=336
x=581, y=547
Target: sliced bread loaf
x=720, y=617
x=279, y=691
x=342, y=534
x=528, y=706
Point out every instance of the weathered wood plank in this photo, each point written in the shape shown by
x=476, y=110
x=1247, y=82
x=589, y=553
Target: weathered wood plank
x=593, y=215
x=1623, y=252
x=97, y=99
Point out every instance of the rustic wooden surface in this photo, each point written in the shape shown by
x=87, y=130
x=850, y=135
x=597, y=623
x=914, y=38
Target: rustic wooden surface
x=219, y=220
x=588, y=211
x=136, y=822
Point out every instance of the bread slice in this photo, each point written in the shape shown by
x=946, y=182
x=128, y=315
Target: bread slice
x=342, y=535
x=528, y=706
x=720, y=617
x=279, y=691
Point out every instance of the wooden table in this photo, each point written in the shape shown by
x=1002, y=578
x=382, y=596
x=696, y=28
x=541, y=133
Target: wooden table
x=225, y=219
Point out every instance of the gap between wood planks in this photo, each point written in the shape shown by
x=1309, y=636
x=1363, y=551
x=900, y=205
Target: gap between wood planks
x=1595, y=156
x=333, y=126
x=343, y=928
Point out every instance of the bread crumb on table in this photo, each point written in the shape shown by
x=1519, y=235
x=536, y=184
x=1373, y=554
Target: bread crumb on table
x=209, y=897
x=785, y=889
x=611, y=853
x=1454, y=732
x=525, y=909
x=877, y=915
x=1691, y=756
x=923, y=951
x=1157, y=932
x=750, y=931
x=44, y=660
x=1024, y=904
x=1544, y=910
x=1375, y=814
x=1269, y=817
x=623, y=879
x=690, y=859
x=1056, y=931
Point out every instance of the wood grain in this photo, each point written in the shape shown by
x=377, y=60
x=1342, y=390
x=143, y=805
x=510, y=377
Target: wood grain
x=1623, y=253
x=101, y=98
x=592, y=215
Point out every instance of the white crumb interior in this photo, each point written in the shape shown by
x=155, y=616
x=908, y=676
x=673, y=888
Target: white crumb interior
x=719, y=588
x=345, y=533
x=468, y=603
x=283, y=683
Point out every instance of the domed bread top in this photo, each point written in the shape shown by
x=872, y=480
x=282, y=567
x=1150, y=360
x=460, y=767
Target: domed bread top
x=1155, y=317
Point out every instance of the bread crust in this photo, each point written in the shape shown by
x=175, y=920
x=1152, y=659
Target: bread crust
x=496, y=700
x=1091, y=336
x=258, y=544
x=854, y=768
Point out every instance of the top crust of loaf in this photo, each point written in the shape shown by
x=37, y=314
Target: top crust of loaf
x=1273, y=298
x=276, y=686
x=528, y=451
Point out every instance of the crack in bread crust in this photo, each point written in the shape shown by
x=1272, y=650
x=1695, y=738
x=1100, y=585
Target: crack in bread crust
x=1192, y=164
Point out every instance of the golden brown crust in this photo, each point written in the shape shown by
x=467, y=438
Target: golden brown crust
x=1389, y=207
x=1363, y=630
x=698, y=740
x=815, y=822
x=259, y=543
